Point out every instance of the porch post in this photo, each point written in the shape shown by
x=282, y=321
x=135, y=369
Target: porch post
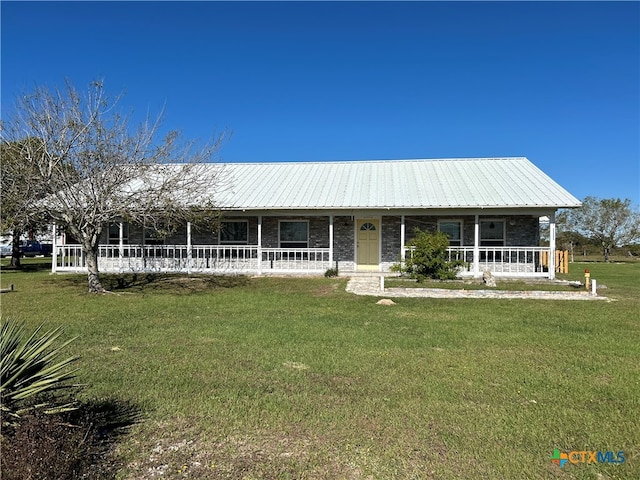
x=552, y=246
x=330, y=241
x=120, y=245
x=54, y=247
x=476, y=247
x=189, y=255
x=402, y=238
x=259, y=244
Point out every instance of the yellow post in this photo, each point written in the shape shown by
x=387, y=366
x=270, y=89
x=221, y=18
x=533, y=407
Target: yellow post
x=566, y=261
x=587, y=279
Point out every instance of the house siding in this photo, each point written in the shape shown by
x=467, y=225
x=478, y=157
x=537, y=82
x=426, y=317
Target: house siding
x=525, y=231
x=391, y=245
x=343, y=239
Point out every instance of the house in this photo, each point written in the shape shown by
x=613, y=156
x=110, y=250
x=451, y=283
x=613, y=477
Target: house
x=356, y=216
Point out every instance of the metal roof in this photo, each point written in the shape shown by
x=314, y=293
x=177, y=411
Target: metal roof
x=390, y=184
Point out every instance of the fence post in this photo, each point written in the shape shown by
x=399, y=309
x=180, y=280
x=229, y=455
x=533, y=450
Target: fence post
x=54, y=250
x=189, y=253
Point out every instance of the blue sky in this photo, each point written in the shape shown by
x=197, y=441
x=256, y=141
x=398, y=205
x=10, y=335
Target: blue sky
x=557, y=82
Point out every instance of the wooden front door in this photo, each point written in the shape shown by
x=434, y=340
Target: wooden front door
x=368, y=244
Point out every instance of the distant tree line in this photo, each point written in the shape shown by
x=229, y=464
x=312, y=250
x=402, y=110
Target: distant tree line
x=602, y=226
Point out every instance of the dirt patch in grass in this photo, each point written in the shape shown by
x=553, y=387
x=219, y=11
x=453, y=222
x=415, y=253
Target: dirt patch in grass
x=267, y=455
x=297, y=453
x=326, y=290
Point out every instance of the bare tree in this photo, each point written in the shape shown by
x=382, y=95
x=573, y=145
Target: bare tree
x=610, y=222
x=20, y=193
x=97, y=169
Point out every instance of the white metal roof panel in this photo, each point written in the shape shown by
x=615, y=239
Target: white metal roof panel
x=393, y=184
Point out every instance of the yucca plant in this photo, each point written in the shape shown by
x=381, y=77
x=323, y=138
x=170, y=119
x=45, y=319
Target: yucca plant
x=31, y=372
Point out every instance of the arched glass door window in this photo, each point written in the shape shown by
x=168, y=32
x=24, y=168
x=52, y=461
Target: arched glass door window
x=367, y=226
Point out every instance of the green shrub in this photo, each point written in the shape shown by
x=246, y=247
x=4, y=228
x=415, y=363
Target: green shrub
x=428, y=258
x=331, y=272
x=31, y=373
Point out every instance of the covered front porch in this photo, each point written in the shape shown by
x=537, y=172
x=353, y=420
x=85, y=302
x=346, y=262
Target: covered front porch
x=251, y=259
x=312, y=244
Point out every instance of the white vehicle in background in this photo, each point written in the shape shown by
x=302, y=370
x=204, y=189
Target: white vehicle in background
x=6, y=248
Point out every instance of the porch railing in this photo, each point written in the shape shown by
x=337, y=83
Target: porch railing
x=513, y=261
x=199, y=258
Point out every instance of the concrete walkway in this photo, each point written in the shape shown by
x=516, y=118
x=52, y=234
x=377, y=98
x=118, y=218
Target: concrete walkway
x=370, y=285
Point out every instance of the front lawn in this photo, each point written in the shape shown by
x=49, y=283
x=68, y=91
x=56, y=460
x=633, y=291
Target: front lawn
x=293, y=378
x=478, y=284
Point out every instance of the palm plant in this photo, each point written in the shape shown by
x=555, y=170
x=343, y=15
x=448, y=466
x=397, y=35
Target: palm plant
x=30, y=368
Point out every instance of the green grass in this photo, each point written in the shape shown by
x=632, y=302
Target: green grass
x=295, y=378
x=478, y=284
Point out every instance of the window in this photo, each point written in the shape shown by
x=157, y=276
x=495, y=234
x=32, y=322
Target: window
x=492, y=233
x=114, y=233
x=152, y=237
x=453, y=230
x=234, y=232
x=294, y=234
x=368, y=226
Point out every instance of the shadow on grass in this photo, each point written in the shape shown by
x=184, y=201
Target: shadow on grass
x=159, y=282
x=69, y=445
x=28, y=265
x=176, y=283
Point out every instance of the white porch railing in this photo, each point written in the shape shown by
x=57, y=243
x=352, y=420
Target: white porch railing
x=201, y=258
x=506, y=261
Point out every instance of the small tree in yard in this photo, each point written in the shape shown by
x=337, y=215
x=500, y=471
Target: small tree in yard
x=95, y=168
x=19, y=194
x=429, y=258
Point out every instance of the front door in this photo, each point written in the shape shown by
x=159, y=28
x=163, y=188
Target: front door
x=368, y=244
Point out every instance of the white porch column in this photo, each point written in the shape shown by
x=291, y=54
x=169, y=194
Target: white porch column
x=552, y=246
x=330, y=241
x=189, y=254
x=260, y=244
x=476, y=247
x=402, y=237
x=120, y=245
x=54, y=253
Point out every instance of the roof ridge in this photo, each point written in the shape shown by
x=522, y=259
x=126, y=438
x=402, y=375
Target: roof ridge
x=397, y=160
